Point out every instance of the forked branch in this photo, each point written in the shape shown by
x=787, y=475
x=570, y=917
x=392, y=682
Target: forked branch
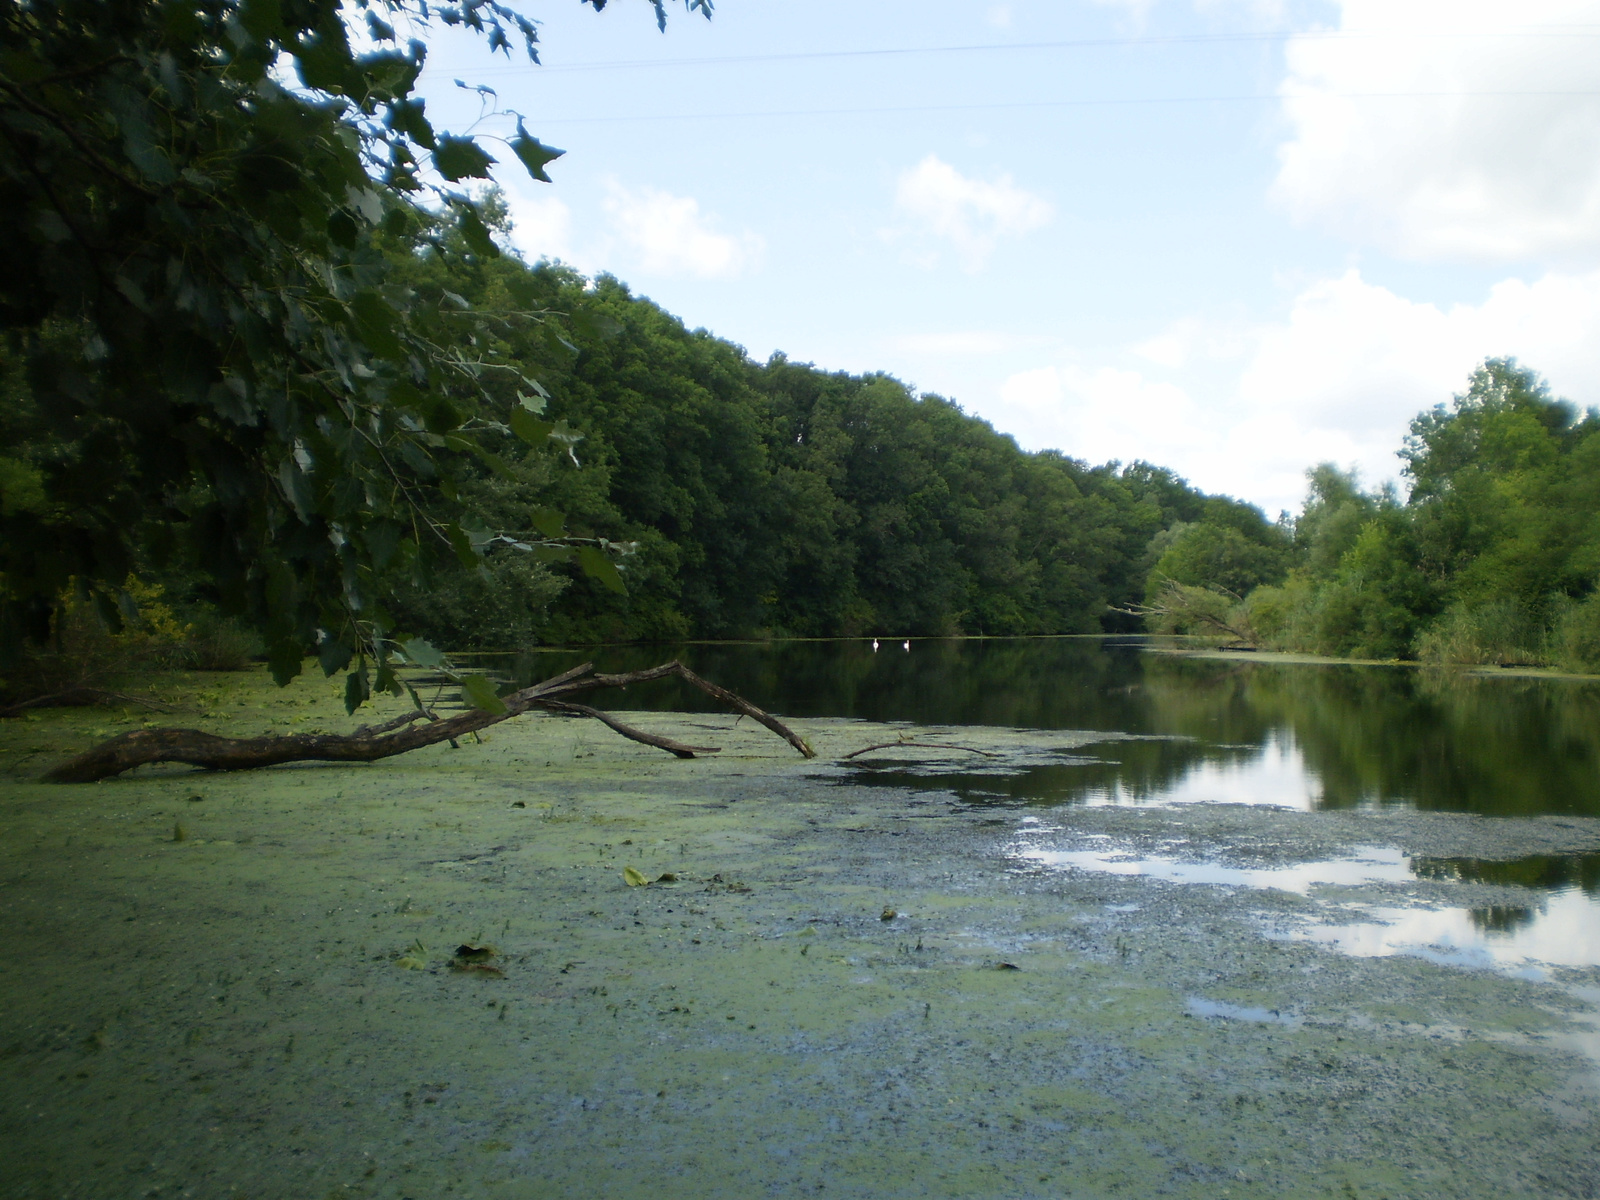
x=371, y=743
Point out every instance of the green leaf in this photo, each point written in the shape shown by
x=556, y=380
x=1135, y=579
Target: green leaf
x=474, y=232
x=529, y=428
x=477, y=691
x=533, y=153
x=408, y=117
x=356, y=689
x=601, y=569
x=460, y=158
x=334, y=656
x=374, y=323
x=635, y=878
x=325, y=61
x=494, y=462
x=548, y=521
x=462, y=545
x=423, y=653
x=284, y=660
x=551, y=554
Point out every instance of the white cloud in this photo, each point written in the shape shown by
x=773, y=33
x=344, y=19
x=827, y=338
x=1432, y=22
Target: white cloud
x=1468, y=173
x=1339, y=378
x=668, y=235
x=541, y=226
x=936, y=203
x=964, y=343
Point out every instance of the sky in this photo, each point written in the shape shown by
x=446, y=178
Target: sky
x=1231, y=237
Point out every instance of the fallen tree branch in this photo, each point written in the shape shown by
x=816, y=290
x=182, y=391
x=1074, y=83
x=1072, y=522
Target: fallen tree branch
x=628, y=731
x=920, y=746
x=79, y=697
x=372, y=743
x=400, y=722
x=1213, y=607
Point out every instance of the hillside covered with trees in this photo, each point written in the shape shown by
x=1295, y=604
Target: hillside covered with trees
x=776, y=499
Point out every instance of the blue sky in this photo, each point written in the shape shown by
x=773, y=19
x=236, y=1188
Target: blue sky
x=1233, y=237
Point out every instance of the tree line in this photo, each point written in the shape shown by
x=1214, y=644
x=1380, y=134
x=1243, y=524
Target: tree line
x=761, y=499
x=1491, y=557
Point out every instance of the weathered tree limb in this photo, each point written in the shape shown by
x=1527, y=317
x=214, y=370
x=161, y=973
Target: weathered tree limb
x=919, y=746
x=78, y=697
x=400, y=722
x=628, y=731
x=371, y=743
x=1185, y=604
x=731, y=699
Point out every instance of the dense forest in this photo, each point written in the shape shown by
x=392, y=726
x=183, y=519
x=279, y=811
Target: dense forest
x=270, y=383
x=1491, y=558
x=776, y=499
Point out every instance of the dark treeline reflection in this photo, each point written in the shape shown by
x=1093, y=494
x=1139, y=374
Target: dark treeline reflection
x=1365, y=735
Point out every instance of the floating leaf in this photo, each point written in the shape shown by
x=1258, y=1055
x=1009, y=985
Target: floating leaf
x=467, y=952
x=634, y=878
x=888, y=914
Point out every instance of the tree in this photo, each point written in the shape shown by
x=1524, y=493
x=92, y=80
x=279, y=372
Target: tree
x=204, y=353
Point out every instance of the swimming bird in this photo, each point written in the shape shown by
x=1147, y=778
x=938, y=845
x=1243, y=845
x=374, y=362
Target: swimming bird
x=874, y=645
x=908, y=644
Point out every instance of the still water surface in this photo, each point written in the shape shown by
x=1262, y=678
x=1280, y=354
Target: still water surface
x=1309, y=737
x=1206, y=731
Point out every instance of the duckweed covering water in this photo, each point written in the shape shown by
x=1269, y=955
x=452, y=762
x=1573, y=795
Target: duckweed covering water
x=228, y=1014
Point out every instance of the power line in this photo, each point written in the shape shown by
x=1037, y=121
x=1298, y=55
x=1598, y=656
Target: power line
x=1537, y=31
x=1021, y=104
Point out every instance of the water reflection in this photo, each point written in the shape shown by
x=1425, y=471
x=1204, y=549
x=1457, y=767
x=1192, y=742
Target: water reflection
x=1250, y=732
x=1559, y=925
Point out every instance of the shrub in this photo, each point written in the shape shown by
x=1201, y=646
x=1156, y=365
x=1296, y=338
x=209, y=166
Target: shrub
x=1575, y=640
x=1493, y=632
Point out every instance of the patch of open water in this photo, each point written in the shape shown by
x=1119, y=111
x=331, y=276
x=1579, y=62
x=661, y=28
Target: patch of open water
x=1177, y=730
x=1551, y=919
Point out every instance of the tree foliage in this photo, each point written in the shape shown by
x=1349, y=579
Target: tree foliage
x=205, y=353
x=772, y=498
x=1494, y=556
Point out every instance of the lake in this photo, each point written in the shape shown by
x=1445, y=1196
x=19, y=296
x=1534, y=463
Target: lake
x=1192, y=730
x=1294, y=735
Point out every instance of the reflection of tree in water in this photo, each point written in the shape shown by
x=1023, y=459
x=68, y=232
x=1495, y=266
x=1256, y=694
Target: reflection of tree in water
x=1041, y=683
x=1435, y=740
x=1371, y=735
x=1551, y=872
x=1502, y=918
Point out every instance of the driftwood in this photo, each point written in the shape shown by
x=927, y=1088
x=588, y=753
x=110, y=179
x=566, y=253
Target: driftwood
x=920, y=746
x=403, y=734
x=81, y=696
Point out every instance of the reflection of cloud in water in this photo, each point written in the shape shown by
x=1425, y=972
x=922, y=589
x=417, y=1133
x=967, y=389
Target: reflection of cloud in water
x=1562, y=930
x=1558, y=927
x=1277, y=774
x=1369, y=864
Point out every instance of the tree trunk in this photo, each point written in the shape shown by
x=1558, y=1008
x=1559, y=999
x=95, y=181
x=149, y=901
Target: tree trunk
x=411, y=732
